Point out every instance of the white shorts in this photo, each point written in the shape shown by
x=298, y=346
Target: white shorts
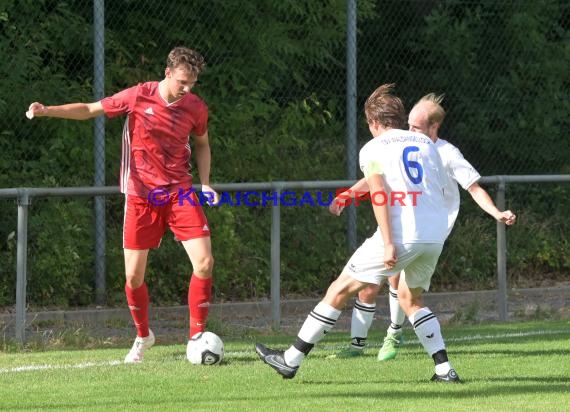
x=416, y=260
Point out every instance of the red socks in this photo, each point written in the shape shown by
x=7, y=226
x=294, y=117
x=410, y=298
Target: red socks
x=199, y=293
x=138, y=301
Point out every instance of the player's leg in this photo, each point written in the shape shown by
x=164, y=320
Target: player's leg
x=189, y=224
x=138, y=301
x=362, y=317
x=142, y=230
x=397, y=314
x=319, y=322
x=394, y=336
x=363, y=268
x=199, y=251
x=136, y=289
x=366, y=257
x=415, y=279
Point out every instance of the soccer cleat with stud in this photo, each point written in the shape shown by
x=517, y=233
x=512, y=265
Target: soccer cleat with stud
x=450, y=377
x=276, y=359
x=136, y=354
x=389, y=348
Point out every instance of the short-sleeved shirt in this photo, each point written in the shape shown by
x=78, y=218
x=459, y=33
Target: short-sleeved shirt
x=409, y=162
x=156, y=149
x=459, y=171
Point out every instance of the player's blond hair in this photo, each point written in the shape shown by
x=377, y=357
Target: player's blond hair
x=189, y=59
x=385, y=108
x=432, y=104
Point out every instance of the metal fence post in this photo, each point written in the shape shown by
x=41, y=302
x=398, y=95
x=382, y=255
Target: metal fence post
x=351, y=130
x=24, y=201
x=99, y=149
x=501, y=255
x=276, y=260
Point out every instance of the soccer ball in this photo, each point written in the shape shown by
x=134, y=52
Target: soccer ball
x=205, y=348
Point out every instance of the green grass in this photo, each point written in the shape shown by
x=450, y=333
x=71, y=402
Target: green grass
x=505, y=367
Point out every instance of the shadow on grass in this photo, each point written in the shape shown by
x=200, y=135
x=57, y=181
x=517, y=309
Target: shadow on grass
x=466, y=390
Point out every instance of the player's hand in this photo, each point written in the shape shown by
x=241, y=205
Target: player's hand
x=390, y=257
x=336, y=207
x=213, y=196
x=507, y=217
x=36, y=110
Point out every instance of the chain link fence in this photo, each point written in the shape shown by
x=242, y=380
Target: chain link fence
x=502, y=64
x=276, y=84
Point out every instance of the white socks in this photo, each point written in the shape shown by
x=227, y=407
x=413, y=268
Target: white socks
x=397, y=315
x=362, y=317
x=428, y=331
x=319, y=322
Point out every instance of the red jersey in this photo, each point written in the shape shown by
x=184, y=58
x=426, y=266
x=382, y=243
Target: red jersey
x=156, y=149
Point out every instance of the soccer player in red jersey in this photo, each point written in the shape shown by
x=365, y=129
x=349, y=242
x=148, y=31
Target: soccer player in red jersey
x=160, y=118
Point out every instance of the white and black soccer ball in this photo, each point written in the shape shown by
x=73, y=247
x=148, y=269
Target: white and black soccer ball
x=205, y=348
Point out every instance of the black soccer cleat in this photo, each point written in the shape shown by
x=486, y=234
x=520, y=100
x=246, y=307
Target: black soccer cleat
x=450, y=377
x=275, y=359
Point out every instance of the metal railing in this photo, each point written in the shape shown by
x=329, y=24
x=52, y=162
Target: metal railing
x=24, y=197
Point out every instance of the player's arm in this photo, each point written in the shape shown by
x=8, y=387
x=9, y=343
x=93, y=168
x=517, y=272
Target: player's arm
x=203, y=156
x=74, y=111
x=376, y=184
x=482, y=198
x=342, y=199
x=466, y=175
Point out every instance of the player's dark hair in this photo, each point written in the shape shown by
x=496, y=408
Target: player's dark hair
x=385, y=108
x=190, y=59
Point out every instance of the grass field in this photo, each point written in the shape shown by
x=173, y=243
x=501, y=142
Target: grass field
x=505, y=367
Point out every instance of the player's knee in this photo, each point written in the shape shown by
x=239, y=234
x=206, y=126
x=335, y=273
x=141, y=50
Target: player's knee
x=394, y=281
x=205, y=265
x=410, y=302
x=134, y=280
x=368, y=294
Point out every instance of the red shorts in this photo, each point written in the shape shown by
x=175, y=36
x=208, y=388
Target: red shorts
x=145, y=222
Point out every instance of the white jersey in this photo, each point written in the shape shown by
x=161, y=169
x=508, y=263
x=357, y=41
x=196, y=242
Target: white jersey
x=459, y=171
x=409, y=163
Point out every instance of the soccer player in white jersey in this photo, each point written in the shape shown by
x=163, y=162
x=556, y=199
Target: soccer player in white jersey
x=426, y=117
x=406, y=180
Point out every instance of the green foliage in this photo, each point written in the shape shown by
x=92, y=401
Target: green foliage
x=468, y=258
x=502, y=65
x=60, y=257
x=275, y=86
x=50, y=149
x=510, y=74
x=540, y=245
x=8, y=229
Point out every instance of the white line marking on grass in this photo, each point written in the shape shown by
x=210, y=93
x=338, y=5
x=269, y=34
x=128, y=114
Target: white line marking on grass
x=472, y=337
x=507, y=335
x=32, y=368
